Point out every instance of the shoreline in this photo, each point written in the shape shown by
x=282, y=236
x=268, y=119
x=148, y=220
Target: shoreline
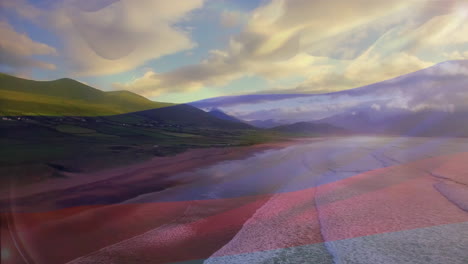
x=154, y=171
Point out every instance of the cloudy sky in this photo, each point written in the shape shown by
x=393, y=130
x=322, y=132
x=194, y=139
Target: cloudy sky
x=181, y=51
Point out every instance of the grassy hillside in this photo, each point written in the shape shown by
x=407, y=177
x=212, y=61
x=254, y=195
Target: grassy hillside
x=65, y=97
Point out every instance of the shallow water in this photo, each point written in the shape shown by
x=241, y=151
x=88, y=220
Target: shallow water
x=303, y=166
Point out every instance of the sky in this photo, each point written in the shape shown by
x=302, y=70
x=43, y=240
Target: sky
x=183, y=51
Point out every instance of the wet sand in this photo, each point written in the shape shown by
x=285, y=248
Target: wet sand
x=111, y=185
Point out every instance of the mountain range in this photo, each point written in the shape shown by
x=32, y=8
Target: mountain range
x=429, y=102
x=221, y=115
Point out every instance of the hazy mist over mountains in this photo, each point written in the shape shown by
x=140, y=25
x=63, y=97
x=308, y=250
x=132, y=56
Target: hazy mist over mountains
x=438, y=93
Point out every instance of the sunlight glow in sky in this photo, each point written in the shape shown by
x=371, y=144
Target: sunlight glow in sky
x=181, y=51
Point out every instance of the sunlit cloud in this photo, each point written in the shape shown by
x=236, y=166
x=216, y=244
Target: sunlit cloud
x=361, y=43
x=17, y=50
x=108, y=37
x=322, y=46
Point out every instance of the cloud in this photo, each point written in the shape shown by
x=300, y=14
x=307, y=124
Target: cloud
x=398, y=50
x=114, y=36
x=362, y=70
x=449, y=70
x=17, y=50
x=213, y=71
x=456, y=55
x=232, y=18
x=444, y=30
x=124, y=34
x=438, y=88
x=333, y=45
x=327, y=45
x=22, y=8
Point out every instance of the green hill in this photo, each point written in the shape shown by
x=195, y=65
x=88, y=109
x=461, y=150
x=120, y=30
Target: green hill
x=65, y=97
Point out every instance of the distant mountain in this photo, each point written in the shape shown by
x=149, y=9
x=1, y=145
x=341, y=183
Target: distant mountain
x=181, y=115
x=65, y=97
x=310, y=128
x=423, y=123
x=270, y=123
x=224, y=101
x=221, y=115
x=432, y=101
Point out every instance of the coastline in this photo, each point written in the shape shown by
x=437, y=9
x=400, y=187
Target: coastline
x=46, y=195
